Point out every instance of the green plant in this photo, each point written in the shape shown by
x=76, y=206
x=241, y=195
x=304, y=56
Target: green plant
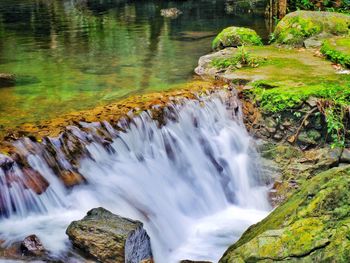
x=330, y=51
x=242, y=58
x=335, y=126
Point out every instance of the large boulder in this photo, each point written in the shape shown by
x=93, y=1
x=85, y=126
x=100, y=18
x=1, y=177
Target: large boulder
x=110, y=238
x=236, y=36
x=311, y=226
x=7, y=80
x=298, y=26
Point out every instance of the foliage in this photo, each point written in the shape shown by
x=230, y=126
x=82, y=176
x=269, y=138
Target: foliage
x=242, y=58
x=327, y=5
x=236, y=36
x=335, y=101
x=330, y=48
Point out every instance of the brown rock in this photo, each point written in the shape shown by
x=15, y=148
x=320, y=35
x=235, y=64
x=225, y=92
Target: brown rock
x=35, y=181
x=32, y=246
x=70, y=178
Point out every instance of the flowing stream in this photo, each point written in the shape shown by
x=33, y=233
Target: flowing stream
x=195, y=182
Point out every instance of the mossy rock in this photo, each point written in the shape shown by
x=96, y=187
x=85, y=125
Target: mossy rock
x=296, y=27
x=311, y=226
x=110, y=238
x=337, y=50
x=236, y=36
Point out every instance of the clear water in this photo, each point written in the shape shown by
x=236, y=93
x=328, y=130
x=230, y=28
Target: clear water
x=75, y=54
x=195, y=183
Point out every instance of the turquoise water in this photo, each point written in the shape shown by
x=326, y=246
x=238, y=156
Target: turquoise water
x=74, y=55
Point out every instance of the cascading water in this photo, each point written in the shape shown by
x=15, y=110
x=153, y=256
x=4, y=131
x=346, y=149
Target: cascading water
x=194, y=182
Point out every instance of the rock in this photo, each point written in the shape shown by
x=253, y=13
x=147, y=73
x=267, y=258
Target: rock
x=191, y=261
x=345, y=157
x=236, y=36
x=309, y=137
x=7, y=80
x=310, y=226
x=32, y=246
x=205, y=67
x=316, y=41
x=71, y=178
x=110, y=238
x=170, y=12
x=298, y=26
x=34, y=181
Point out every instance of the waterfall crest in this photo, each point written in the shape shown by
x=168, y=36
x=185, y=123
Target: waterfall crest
x=194, y=182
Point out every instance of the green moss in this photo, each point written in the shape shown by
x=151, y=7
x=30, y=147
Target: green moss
x=311, y=226
x=289, y=77
x=337, y=50
x=294, y=28
x=236, y=36
x=242, y=58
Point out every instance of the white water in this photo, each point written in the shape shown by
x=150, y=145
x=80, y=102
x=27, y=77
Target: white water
x=194, y=183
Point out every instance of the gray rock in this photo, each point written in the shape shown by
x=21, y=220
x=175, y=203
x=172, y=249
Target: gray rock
x=110, y=238
x=345, y=157
x=316, y=41
x=309, y=137
x=7, y=80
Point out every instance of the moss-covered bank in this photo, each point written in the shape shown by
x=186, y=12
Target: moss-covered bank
x=311, y=226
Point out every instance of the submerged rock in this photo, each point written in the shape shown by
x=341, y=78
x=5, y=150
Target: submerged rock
x=311, y=226
x=170, y=12
x=32, y=246
x=296, y=27
x=236, y=36
x=7, y=80
x=110, y=238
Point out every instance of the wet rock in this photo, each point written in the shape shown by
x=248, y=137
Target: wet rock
x=7, y=80
x=32, y=246
x=71, y=178
x=110, y=238
x=236, y=36
x=170, y=12
x=34, y=181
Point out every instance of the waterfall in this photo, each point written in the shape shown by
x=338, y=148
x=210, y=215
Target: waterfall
x=194, y=182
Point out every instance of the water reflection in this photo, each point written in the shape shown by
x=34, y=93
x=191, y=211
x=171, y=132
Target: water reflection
x=88, y=52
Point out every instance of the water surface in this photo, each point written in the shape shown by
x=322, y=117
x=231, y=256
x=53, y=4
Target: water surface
x=74, y=55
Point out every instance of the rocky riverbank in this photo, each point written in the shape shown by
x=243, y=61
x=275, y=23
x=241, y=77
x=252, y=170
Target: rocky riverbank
x=297, y=103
